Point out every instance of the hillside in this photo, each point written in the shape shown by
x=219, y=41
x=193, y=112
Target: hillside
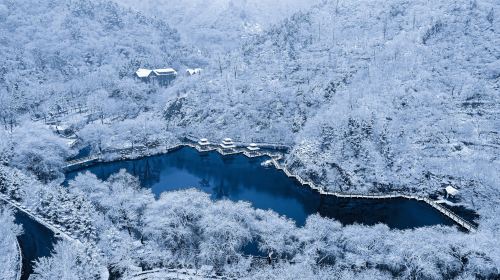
x=219, y=25
x=64, y=54
x=373, y=96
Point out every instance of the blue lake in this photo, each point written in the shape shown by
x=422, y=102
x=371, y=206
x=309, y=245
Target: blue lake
x=36, y=241
x=237, y=177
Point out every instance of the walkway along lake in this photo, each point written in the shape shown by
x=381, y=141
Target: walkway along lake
x=237, y=177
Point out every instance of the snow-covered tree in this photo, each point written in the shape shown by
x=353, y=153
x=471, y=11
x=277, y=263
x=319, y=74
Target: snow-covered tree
x=68, y=261
x=10, y=256
x=36, y=149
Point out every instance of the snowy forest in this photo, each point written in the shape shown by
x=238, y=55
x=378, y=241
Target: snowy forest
x=370, y=98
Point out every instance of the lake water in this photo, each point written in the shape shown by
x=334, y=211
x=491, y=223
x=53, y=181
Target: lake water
x=36, y=241
x=237, y=177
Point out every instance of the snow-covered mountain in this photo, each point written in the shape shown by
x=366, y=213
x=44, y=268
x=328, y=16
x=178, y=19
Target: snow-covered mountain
x=220, y=24
x=56, y=54
x=373, y=95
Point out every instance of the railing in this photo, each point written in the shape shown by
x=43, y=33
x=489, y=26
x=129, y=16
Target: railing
x=58, y=230
x=82, y=160
x=54, y=228
x=465, y=224
x=267, y=145
x=20, y=264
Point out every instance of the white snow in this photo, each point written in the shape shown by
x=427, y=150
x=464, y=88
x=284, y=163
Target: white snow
x=165, y=71
x=143, y=73
x=194, y=71
x=253, y=147
x=451, y=190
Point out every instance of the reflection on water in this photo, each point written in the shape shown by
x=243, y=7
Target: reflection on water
x=239, y=178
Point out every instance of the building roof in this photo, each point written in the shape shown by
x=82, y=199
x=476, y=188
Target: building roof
x=143, y=73
x=451, y=190
x=203, y=142
x=253, y=147
x=165, y=71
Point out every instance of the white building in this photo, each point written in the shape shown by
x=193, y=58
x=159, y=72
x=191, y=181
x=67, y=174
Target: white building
x=253, y=147
x=143, y=73
x=203, y=142
x=162, y=76
x=450, y=191
x=165, y=72
x=227, y=143
x=165, y=75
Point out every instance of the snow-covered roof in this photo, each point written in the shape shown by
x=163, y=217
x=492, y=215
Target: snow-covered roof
x=451, y=190
x=143, y=73
x=60, y=127
x=165, y=71
x=203, y=142
x=227, y=143
x=253, y=147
